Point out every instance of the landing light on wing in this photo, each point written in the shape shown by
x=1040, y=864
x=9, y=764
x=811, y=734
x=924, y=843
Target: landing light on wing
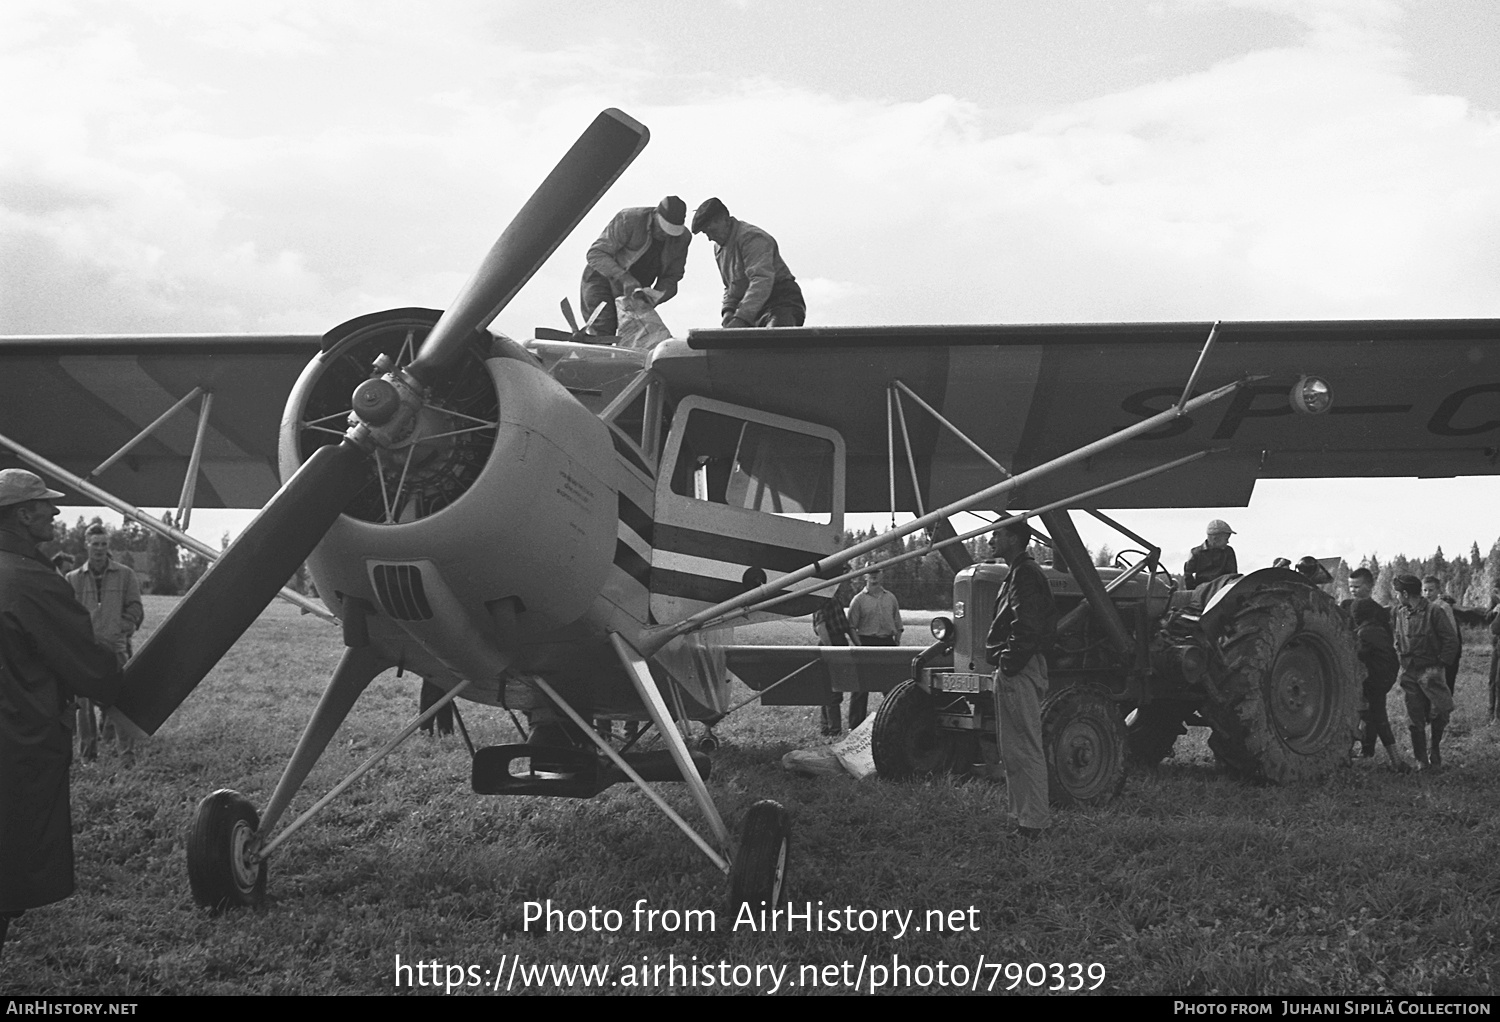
x=1311, y=395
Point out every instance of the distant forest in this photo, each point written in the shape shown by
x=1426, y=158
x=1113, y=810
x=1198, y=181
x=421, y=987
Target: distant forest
x=926, y=583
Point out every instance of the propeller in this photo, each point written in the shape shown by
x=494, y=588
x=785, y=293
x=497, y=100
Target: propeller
x=209, y=620
x=574, y=331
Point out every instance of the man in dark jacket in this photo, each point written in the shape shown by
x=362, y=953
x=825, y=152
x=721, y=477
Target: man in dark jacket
x=759, y=289
x=47, y=657
x=641, y=254
x=1377, y=652
x=1213, y=559
x=1022, y=633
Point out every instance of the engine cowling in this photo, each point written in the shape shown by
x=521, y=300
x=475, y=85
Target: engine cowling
x=496, y=496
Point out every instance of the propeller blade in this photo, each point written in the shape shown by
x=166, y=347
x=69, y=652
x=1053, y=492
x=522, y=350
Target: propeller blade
x=578, y=181
x=237, y=588
x=567, y=311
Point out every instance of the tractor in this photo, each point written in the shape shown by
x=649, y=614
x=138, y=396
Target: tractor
x=1267, y=660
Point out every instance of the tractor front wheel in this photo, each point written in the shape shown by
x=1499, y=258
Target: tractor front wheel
x=1083, y=739
x=905, y=741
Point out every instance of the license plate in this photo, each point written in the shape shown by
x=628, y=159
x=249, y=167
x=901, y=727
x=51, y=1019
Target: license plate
x=960, y=682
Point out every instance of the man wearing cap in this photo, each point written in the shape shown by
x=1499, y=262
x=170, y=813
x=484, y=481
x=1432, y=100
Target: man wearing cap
x=1425, y=641
x=47, y=657
x=1214, y=559
x=759, y=290
x=1023, y=630
x=642, y=254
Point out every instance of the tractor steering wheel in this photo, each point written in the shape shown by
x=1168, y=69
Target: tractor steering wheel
x=1127, y=559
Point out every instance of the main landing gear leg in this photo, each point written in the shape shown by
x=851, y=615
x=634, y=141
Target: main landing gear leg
x=757, y=873
x=225, y=865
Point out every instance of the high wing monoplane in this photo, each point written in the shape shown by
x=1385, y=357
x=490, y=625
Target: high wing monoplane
x=567, y=530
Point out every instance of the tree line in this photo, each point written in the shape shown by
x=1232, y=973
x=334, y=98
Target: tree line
x=920, y=583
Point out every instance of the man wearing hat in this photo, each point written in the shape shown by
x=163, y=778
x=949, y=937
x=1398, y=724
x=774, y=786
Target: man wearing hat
x=1214, y=559
x=1023, y=630
x=759, y=290
x=47, y=657
x=1425, y=641
x=642, y=254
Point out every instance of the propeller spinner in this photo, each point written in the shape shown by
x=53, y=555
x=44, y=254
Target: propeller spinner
x=245, y=579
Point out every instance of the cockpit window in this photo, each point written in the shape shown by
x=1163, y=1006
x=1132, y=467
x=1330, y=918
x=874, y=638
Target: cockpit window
x=751, y=465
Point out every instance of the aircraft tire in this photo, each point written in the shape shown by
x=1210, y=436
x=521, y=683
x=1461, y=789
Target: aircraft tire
x=1083, y=739
x=219, y=845
x=757, y=877
x=904, y=740
x=1151, y=731
x=1285, y=698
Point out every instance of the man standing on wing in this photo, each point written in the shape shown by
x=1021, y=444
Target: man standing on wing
x=641, y=254
x=1023, y=630
x=759, y=290
x=47, y=657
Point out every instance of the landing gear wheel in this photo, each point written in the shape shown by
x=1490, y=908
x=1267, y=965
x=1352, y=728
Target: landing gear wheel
x=905, y=741
x=1083, y=739
x=1152, y=730
x=758, y=875
x=1285, y=706
x=708, y=743
x=220, y=846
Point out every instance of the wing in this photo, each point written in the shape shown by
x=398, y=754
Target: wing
x=77, y=400
x=1410, y=398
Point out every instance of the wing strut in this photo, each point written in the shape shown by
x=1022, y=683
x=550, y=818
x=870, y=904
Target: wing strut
x=823, y=584
x=658, y=711
x=655, y=638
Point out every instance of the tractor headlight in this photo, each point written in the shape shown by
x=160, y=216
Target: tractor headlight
x=1311, y=395
x=943, y=629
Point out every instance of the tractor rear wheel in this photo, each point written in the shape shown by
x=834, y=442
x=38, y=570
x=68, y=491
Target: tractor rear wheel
x=1084, y=742
x=1286, y=695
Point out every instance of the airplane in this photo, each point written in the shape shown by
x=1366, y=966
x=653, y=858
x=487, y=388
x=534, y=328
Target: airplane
x=569, y=530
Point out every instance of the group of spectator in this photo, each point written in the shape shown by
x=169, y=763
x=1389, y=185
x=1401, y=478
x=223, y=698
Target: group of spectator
x=1417, y=644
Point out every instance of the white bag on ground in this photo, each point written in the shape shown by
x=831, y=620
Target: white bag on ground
x=854, y=750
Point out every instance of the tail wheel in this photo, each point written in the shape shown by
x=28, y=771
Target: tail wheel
x=1285, y=700
x=1152, y=730
x=904, y=740
x=758, y=876
x=1083, y=739
x=221, y=845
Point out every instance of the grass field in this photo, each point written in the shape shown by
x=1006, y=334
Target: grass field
x=1189, y=883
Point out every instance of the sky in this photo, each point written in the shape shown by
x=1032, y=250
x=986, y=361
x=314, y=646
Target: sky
x=195, y=166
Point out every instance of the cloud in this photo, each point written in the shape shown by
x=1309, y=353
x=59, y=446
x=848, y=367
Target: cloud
x=313, y=163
